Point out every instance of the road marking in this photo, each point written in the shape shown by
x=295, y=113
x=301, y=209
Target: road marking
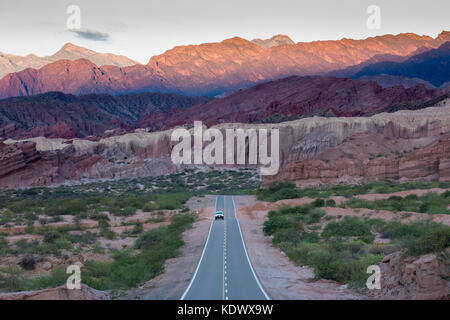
x=224, y=278
x=201, y=257
x=245, y=250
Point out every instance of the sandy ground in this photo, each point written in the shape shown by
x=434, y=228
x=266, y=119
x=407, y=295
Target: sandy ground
x=171, y=284
x=281, y=278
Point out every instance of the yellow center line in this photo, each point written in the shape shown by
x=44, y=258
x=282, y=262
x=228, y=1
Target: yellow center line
x=223, y=251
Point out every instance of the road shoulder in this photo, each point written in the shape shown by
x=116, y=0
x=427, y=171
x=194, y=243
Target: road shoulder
x=281, y=278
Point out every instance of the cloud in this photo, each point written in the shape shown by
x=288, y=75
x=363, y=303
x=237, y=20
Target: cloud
x=90, y=34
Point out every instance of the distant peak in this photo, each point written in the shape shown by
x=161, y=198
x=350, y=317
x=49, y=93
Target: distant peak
x=445, y=35
x=275, y=41
x=236, y=40
x=70, y=47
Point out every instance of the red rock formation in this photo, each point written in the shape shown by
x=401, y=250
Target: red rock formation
x=343, y=164
x=17, y=156
x=57, y=115
x=294, y=97
x=417, y=278
x=405, y=145
x=211, y=68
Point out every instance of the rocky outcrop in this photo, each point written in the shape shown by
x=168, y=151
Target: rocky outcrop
x=57, y=115
x=10, y=63
x=211, y=68
x=296, y=97
x=58, y=293
x=338, y=166
x=405, y=145
x=17, y=156
x=414, y=278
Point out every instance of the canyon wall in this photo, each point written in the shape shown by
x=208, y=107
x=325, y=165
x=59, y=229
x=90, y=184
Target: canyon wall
x=405, y=145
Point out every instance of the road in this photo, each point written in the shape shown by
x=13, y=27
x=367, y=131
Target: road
x=224, y=271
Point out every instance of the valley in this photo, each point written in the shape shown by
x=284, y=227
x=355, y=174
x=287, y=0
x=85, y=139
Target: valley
x=120, y=169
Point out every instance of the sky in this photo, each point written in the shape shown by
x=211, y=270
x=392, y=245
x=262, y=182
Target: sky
x=140, y=29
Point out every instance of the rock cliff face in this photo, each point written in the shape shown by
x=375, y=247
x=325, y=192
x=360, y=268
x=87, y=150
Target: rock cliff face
x=17, y=156
x=422, y=278
x=405, y=145
x=212, y=68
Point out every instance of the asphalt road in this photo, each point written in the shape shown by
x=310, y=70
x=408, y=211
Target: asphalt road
x=224, y=271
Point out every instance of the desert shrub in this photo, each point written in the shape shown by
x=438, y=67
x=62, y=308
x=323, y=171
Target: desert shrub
x=128, y=270
x=433, y=239
x=301, y=252
x=330, y=203
x=314, y=215
x=291, y=235
x=51, y=236
x=278, y=191
x=358, y=268
x=349, y=227
x=151, y=237
x=278, y=222
x=311, y=237
x=4, y=246
x=328, y=265
x=28, y=263
x=428, y=203
x=56, y=278
x=319, y=203
x=128, y=211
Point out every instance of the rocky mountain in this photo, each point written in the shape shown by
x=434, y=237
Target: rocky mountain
x=55, y=114
x=11, y=63
x=405, y=145
x=275, y=41
x=212, y=68
x=386, y=81
x=432, y=66
x=295, y=97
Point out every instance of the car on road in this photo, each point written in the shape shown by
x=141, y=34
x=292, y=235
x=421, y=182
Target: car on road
x=219, y=215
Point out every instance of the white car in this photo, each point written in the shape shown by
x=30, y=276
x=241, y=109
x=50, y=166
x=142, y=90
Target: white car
x=219, y=215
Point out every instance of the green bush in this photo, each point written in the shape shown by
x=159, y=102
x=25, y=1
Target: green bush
x=287, y=235
x=434, y=239
x=349, y=227
x=278, y=191
x=358, y=269
x=128, y=270
x=279, y=222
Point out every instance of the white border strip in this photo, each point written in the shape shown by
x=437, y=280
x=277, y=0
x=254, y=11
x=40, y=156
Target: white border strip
x=201, y=257
x=245, y=250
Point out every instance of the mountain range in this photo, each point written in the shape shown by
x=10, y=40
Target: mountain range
x=56, y=114
x=432, y=66
x=11, y=63
x=216, y=69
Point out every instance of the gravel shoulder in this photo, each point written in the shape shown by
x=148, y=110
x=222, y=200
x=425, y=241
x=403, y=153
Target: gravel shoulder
x=178, y=271
x=281, y=278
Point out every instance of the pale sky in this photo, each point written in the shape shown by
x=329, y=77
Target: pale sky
x=142, y=28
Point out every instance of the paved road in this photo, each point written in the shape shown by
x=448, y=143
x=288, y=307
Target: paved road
x=224, y=271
